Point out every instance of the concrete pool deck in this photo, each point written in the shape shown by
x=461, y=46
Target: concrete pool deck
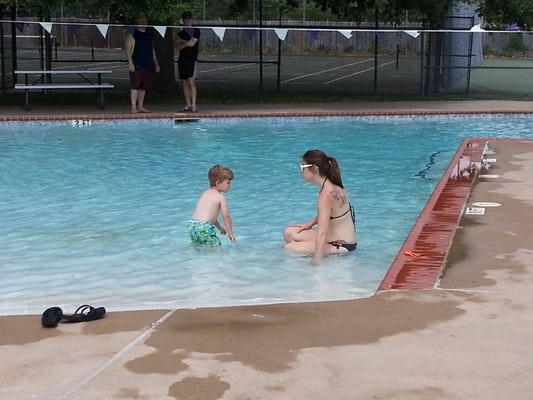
x=467, y=339
x=54, y=112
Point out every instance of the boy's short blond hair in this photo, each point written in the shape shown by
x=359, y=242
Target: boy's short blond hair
x=217, y=173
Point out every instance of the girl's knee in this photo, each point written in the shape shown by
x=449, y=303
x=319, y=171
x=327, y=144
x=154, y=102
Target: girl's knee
x=289, y=233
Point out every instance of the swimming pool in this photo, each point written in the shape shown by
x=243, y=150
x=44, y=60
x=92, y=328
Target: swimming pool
x=99, y=214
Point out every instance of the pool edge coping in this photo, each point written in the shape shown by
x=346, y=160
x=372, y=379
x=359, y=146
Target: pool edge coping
x=265, y=114
x=431, y=257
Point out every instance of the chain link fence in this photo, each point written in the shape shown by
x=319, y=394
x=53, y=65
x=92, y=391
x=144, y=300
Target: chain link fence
x=307, y=61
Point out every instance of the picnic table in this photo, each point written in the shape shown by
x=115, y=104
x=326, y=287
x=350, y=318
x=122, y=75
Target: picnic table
x=39, y=83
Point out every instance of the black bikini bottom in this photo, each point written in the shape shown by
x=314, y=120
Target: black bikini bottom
x=347, y=246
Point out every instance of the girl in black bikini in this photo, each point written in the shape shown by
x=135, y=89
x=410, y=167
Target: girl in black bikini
x=335, y=233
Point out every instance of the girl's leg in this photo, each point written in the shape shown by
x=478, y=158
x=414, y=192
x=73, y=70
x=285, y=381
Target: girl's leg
x=308, y=247
x=291, y=234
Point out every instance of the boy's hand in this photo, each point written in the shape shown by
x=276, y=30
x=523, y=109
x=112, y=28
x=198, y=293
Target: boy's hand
x=232, y=237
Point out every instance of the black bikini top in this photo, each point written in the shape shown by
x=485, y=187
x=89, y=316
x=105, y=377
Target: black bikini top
x=349, y=210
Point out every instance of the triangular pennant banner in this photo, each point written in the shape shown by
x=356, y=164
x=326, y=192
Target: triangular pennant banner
x=161, y=29
x=281, y=33
x=477, y=28
x=103, y=29
x=47, y=26
x=346, y=33
x=413, y=34
x=219, y=32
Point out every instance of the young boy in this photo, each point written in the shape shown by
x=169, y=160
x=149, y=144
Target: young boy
x=205, y=217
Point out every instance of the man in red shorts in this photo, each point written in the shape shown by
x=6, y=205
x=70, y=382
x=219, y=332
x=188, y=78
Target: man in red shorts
x=142, y=61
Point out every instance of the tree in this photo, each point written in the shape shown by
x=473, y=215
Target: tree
x=505, y=12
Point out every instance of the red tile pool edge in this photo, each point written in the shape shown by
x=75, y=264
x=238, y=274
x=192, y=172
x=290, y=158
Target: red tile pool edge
x=419, y=262
x=216, y=115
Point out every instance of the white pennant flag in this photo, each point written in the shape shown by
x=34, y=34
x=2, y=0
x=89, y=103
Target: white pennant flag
x=281, y=33
x=346, y=33
x=219, y=32
x=47, y=26
x=477, y=28
x=103, y=29
x=161, y=29
x=413, y=34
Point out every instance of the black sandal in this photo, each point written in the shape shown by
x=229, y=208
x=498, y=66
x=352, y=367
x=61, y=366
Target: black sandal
x=53, y=315
x=85, y=313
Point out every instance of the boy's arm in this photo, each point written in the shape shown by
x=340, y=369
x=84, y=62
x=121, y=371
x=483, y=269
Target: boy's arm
x=227, y=218
x=219, y=227
x=186, y=43
x=192, y=42
x=129, y=51
x=181, y=44
x=324, y=212
x=157, y=69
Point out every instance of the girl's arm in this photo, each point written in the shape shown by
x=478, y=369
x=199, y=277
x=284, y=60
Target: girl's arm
x=324, y=212
x=306, y=225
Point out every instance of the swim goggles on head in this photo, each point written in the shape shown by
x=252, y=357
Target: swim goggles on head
x=305, y=166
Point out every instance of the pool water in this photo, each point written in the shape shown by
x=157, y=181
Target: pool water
x=99, y=214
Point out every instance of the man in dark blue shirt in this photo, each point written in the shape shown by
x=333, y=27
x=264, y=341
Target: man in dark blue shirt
x=142, y=61
x=188, y=41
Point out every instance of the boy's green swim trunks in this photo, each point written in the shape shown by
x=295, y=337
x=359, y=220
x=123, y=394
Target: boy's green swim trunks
x=203, y=234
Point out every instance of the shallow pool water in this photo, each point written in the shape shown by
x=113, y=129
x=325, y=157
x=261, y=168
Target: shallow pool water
x=99, y=214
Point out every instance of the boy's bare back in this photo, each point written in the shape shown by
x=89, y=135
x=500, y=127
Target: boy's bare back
x=208, y=206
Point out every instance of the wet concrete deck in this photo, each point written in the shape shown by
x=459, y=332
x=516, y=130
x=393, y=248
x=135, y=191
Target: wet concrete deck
x=467, y=339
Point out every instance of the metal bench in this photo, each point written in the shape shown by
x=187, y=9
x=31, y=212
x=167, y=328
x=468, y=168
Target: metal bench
x=39, y=83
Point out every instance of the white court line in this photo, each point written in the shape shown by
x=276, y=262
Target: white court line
x=326, y=70
x=248, y=65
x=245, y=65
x=126, y=348
x=357, y=73
x=87, y=65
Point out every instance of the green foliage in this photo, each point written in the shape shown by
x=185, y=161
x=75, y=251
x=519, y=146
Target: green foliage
x=504, y=12
x=515, y=45
x=389, y=10
x=497, y=12
x=313, y=12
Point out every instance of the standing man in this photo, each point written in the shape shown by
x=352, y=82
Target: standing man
x=188, y=41
x=141, y=61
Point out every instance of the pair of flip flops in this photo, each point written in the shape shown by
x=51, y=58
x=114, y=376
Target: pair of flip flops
x=189, y=109
x=53, y=315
